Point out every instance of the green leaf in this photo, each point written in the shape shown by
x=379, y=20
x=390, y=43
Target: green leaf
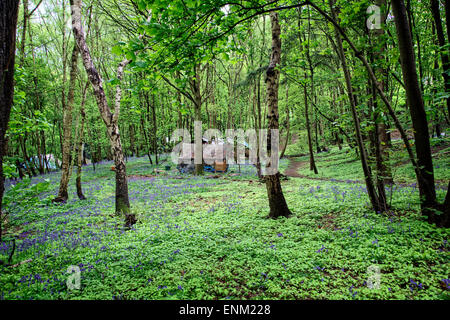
x=117, y=50
x=130, y=55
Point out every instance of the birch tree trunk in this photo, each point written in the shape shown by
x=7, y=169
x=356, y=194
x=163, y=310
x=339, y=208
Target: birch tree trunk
x=277, y=202
x=110, y=119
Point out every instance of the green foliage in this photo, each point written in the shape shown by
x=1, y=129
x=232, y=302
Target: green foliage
x=25, y=194
x=200, y=238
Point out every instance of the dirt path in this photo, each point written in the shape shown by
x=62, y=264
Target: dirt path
x=294, y=165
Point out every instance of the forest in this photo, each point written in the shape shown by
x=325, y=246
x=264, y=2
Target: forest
x=224, y=150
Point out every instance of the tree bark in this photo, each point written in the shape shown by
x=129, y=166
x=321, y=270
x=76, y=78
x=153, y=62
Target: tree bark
x=277, y=202
x=8, y=24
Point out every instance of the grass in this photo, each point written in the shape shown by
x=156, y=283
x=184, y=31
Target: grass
x=345, y=165
x=209, y=238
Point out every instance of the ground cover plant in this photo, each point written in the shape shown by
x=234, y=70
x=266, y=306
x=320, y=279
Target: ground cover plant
x=209, y=238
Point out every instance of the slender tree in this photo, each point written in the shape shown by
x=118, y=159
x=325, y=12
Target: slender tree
x=288, y=123
x=441, y=41
x=80, y=143
x=417, y=110
x=110, y=119
x=67, y=129
x=277, y=202
x=312, y=162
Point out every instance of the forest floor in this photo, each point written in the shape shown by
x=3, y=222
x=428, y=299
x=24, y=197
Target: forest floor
x=294, y=166
x=208, y=237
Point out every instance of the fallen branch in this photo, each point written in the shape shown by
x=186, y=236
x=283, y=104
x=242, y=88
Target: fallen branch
x=20, y=263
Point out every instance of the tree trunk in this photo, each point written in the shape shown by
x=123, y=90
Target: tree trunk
x=417, y=110
x=132, y=140
x=110, y=119
x=147, y=140
x=80, y=144
x=277, y=202
x=24, y=33
x=29, y=166
x=40, y=156
x=64, y=73
x=154, y=128
x=384, y=173
x=149, y=154
x=195, y=87
x=8, y=24
x=259, y=125
x=67, y=130
x=312, y=163
x=288, y=123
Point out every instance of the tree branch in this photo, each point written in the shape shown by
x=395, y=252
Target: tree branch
x=120, y=69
